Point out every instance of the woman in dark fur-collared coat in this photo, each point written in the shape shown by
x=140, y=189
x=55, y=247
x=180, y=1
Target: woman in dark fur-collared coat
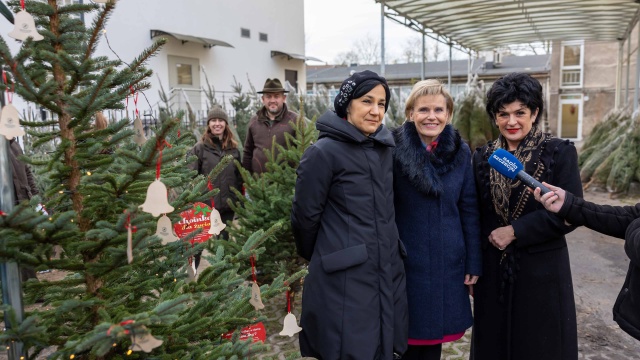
x=524, y=305
x=438, y=220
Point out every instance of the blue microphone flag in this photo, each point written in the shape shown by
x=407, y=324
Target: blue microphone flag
x=505, y=163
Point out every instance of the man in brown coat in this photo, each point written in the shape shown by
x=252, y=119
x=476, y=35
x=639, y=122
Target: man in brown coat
x=269, y=124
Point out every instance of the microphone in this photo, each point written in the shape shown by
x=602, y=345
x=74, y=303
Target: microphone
x=509, y=166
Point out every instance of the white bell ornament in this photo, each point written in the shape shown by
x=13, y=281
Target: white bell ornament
x=157, y=202
x=24, y=27
x=216, y=222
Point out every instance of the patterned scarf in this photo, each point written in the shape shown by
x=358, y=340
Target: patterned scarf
x=528, y=152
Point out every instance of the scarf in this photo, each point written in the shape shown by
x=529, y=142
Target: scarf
x=528, y=153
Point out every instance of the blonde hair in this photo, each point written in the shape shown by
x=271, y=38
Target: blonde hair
x=428, y=87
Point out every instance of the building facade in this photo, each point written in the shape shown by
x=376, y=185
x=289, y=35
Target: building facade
x=214, y=40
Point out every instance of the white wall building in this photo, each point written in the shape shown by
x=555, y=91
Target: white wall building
x=250, y=39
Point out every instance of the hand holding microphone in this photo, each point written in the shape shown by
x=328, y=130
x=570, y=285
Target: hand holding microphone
x=509, y=166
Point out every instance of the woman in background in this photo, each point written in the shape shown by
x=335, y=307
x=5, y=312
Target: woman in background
x=216, y=143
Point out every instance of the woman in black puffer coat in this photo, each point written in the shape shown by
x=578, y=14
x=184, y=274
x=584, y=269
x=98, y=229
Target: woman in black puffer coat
x=618, y=221
x=354, y=303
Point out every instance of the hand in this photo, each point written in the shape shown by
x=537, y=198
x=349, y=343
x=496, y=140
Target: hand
x=469, y=280
x=553, y=200
x=502, y=237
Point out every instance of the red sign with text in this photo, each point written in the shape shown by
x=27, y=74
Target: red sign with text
x=195, y=219
x=256, y=331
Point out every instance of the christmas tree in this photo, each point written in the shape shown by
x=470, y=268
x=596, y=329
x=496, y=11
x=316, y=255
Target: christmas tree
x=107, y=306
x=470, y=116
x=268, y=202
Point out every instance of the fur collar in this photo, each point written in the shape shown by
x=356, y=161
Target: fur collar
x=424, y=170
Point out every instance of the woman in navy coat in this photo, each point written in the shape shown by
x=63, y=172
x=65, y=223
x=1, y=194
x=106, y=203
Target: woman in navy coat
x=438, y=220
x=354, y=299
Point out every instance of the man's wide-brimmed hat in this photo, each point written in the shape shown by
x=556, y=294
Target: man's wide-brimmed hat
x=272, y=86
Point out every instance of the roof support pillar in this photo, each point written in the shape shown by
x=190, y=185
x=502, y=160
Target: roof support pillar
x=637, y=82
x=469, y=66
x=626, y=88
x=423, y=71
x=449, y=72
x=618, y=96
x=382, y=39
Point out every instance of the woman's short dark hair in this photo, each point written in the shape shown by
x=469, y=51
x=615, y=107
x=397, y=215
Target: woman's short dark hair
x=512, y=87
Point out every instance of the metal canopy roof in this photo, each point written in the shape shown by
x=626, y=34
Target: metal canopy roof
x=486, y=24
x=206, y=42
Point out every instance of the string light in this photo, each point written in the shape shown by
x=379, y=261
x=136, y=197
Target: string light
x=129, y=352
x=114, y=344
x=72, y=356
x=88, y=173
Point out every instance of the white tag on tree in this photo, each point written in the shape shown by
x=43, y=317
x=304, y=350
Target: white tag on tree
x=10, y=122
x=256, y=298
x=165, y=230
x=24, y=27
x=156, y=202
x=290, y=326
x=191, y=275
x=216, y=222
x=145, y=342
x=129, y=245
x=138, y=136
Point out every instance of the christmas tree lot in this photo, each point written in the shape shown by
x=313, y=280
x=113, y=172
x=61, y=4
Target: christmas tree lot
x=470, y=116
x=116, y=301
x=609, y=155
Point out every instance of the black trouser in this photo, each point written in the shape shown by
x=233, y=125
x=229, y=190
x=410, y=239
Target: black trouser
x=224, y=217
x=423, y=352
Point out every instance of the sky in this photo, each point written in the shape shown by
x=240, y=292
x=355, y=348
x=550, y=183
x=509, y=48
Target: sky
x=333, y=26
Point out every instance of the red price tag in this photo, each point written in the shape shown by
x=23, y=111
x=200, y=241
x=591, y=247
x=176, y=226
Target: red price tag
x=256, y=331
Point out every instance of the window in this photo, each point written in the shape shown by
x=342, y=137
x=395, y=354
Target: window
x=292, y=77
x=264, y=37
x=245, y=33
x=571, y=64
x=184, y=74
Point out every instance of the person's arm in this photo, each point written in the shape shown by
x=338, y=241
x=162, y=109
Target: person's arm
x=470, y=216
x=197, y=164
x=309, y=200
x=540, y=226
x=247, y=152
x=632, y=243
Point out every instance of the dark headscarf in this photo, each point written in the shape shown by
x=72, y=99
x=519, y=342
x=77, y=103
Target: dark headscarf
x=358, y=85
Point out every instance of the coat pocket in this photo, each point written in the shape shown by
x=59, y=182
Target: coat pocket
x=345, y=258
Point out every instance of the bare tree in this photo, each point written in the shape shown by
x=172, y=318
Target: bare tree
x=364, y=51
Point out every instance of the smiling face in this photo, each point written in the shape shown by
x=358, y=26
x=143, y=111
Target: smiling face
x=515, y=120
x=216, y=127
x=366, y=112
x=430, y=115
x=273, y=102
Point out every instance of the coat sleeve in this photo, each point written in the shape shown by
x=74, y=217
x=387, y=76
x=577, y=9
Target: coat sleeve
x=540, y=226
x=247, y=152
x=310, y=198
x=470, y=215
x=606, y=219
x=197, y=164
x=632, y=243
